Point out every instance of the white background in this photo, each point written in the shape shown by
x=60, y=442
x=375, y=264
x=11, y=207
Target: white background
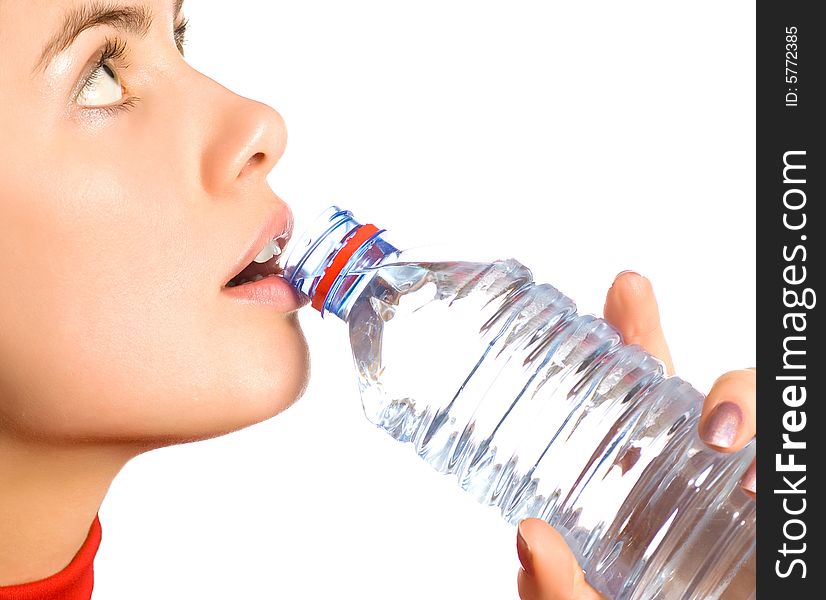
x=581, y=138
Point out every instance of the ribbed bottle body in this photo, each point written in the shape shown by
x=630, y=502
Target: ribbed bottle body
x=536, y=410
x=546, y=413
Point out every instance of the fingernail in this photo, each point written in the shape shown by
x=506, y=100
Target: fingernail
x=721, y=426
x=621, y=273
x=749, y=480
x=523, y=551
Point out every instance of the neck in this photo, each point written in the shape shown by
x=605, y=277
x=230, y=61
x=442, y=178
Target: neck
x=49, y=496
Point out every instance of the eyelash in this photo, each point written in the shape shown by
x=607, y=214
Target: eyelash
x=114, y=50
x=180, y=35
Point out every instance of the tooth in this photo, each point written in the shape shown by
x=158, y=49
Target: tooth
x=258, y=278
x=271, y=249
x=264, y=255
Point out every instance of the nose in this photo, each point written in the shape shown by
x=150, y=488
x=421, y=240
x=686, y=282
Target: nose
x=245, y=139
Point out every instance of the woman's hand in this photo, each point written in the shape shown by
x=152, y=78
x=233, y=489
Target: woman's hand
x=549, y=570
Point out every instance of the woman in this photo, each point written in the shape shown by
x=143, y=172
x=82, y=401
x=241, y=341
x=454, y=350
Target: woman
x=118, y=163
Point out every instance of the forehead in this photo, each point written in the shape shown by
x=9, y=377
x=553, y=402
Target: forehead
x=27, y=25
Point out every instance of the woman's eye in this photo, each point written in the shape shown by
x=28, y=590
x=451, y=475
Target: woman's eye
x=103, y=87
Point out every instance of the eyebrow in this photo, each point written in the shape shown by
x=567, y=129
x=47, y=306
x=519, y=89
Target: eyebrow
x=136, y=20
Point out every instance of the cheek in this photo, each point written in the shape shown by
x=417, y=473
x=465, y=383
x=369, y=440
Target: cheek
x=142, y=375
x=111, y=327
x=66, y=240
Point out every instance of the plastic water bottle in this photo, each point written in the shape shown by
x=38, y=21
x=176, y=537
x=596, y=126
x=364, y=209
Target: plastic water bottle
x=535, y=409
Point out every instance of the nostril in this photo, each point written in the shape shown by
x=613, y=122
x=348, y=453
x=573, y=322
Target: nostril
x=253, y=164
x=255, y=160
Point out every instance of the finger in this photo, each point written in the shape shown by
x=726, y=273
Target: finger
x=527, y=587
x=631, y=307
x=728, y=420
x=549, y=569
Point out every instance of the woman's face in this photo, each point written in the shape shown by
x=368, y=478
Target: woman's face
x=128, y=192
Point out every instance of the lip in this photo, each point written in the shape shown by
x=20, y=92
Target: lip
x=279, y=224
x=273, y=291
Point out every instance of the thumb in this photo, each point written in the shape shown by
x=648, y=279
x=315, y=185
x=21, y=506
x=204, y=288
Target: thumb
x=549, y=569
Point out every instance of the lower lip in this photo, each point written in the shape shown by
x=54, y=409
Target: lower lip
x=272, y=291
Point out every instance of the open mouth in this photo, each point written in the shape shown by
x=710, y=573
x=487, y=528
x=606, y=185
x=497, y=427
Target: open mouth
x=265, y=264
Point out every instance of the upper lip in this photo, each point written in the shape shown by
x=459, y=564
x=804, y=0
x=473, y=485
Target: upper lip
x=278, y=225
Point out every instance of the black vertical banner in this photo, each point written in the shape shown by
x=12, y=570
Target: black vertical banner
x=791, y=427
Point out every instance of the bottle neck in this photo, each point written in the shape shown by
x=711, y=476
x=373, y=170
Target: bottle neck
x=331, y=260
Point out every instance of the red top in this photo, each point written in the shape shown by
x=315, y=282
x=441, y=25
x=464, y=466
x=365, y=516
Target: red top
x=72, y=583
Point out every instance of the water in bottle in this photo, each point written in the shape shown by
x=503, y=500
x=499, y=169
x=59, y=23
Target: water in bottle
x=535, y=409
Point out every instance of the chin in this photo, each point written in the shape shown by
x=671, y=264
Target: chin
x=244, y=393
x=242, y=412
x=278, y=385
